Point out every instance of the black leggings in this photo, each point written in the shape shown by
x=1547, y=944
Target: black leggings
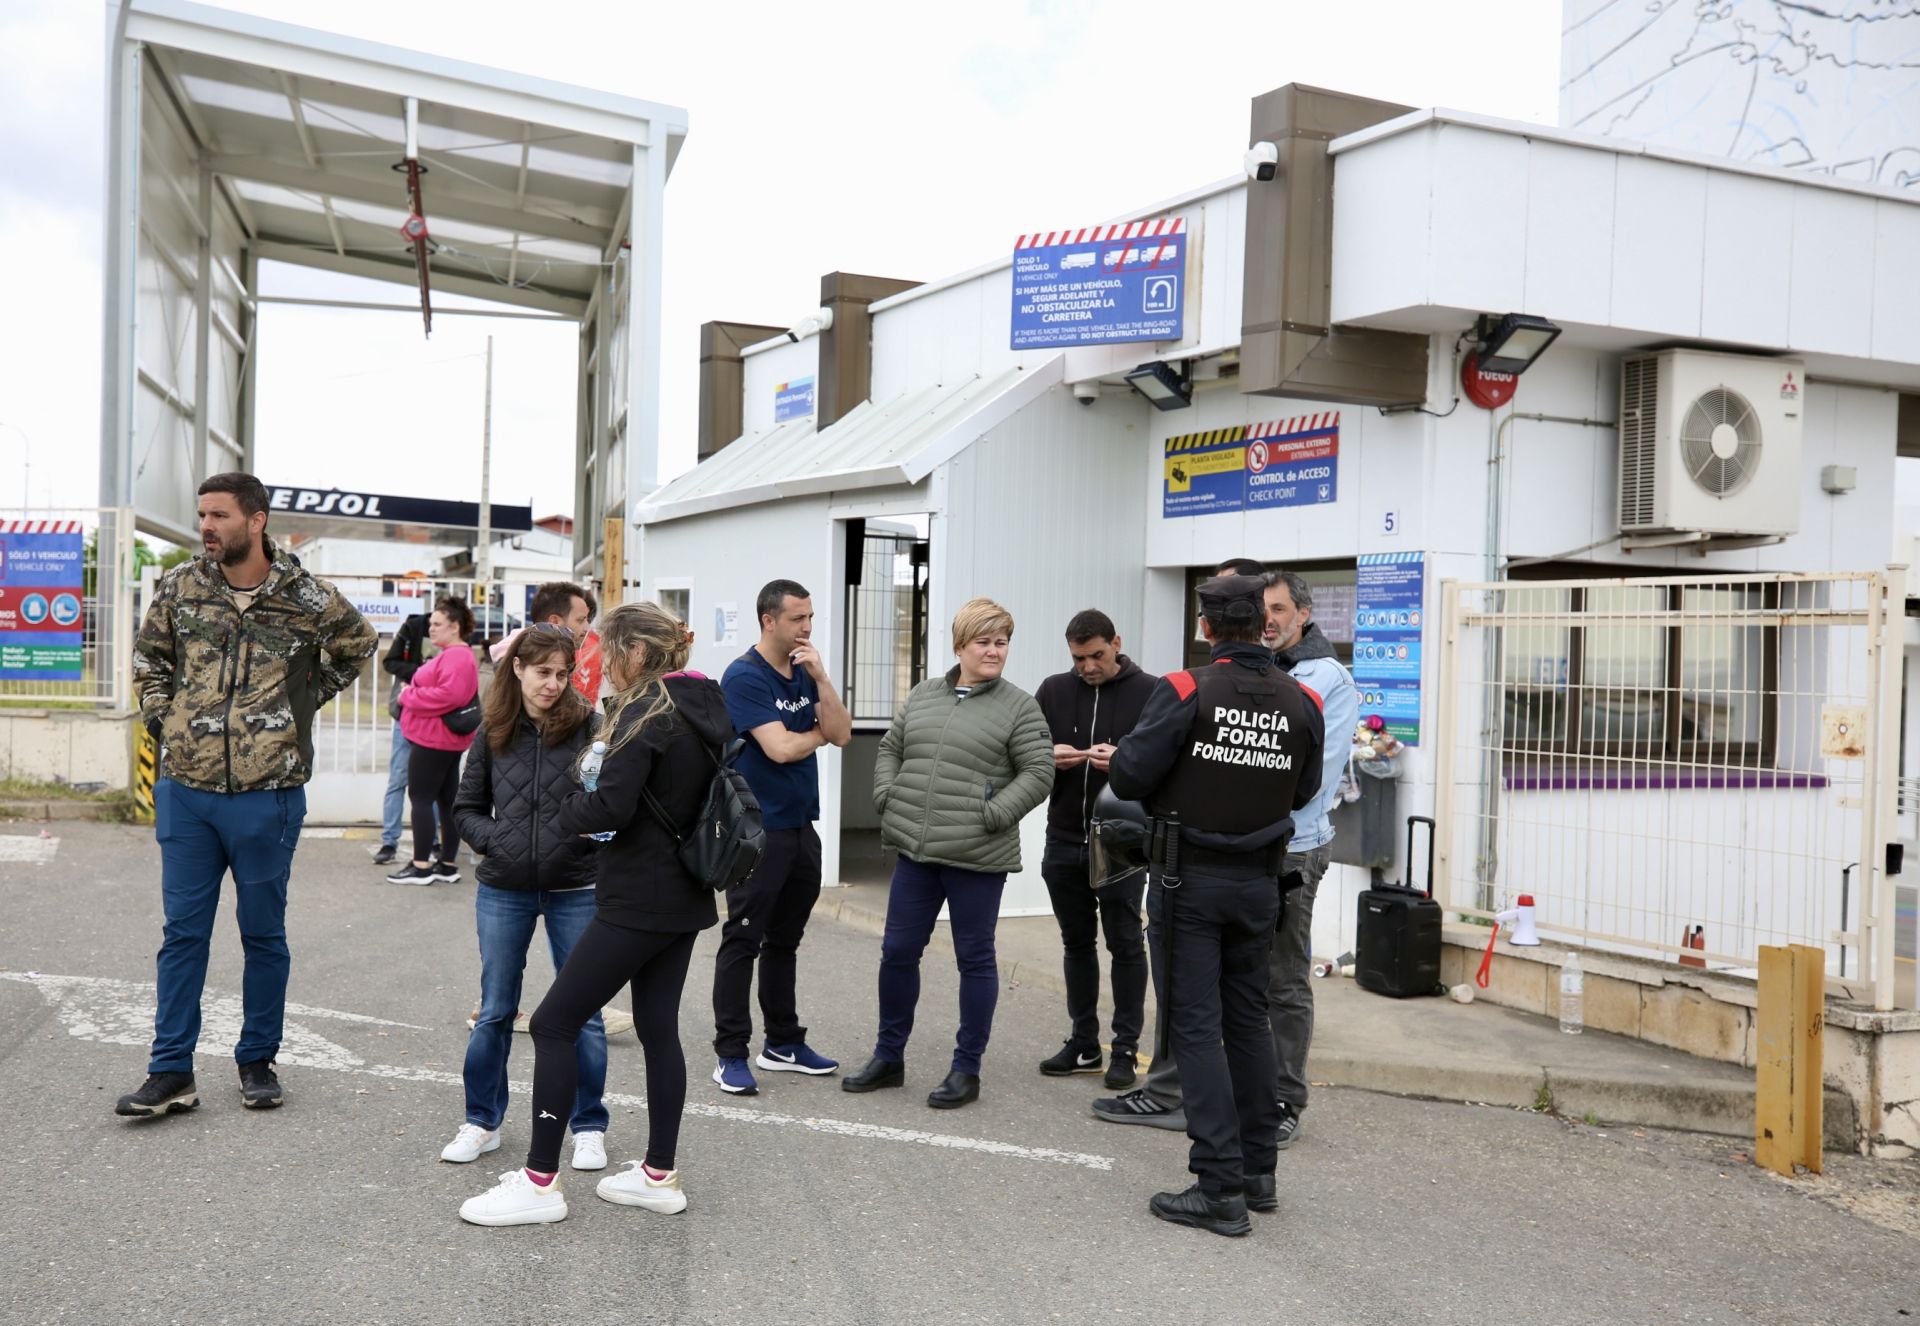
x=606, y=957
x=433, y=776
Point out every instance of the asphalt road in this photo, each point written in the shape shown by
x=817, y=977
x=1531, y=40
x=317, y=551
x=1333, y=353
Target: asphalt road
x=807, y=1204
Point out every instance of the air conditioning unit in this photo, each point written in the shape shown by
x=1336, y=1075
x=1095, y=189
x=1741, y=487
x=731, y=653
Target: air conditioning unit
x=1710, y=444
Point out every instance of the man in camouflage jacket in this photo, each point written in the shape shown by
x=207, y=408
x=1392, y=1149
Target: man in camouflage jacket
x=239, y=650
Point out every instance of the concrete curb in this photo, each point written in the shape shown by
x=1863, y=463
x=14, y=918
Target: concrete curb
x=109, y=812
x=1614, y=1100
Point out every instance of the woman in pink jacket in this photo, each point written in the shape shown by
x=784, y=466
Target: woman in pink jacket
x=446, y=684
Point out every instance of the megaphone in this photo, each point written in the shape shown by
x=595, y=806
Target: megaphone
x=1519, y=920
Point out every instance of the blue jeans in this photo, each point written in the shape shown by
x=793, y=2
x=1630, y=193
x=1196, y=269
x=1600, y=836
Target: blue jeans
x=203, y=835
x=913, y=905
x=395, y=804
x=505, y=919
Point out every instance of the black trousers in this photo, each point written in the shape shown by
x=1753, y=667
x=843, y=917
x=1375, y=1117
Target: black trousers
x=766, y=919
x=607, y=957
x=1211, y=939
x=1083, y=914
x=433, y=777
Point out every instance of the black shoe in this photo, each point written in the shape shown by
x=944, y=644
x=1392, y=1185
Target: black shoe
x=1289, y=1126
x=1139, y=1107
x=411, y=874
x=384, y=857
x=161, y=1093
x=259, y=1088
x=959, y=1089
x=1218, y=1215
x=445, y=872
x=1262, y=1193
x=1122, y=1070
x=878, y=1073
x=1072, y=1059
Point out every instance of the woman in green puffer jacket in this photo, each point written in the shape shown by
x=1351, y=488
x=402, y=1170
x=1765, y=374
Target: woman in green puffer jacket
x=964, y=761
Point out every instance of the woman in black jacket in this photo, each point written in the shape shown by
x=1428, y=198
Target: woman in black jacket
x=668, y=728
x=508, y=807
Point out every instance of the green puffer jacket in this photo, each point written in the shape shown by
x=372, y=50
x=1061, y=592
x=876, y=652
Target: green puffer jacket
x=955, y=776
x=234, y=695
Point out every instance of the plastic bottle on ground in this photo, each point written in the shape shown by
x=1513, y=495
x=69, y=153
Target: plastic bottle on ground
x=1573, y=990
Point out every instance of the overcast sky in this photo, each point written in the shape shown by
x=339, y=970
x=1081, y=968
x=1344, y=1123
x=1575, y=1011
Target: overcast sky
x=900, y=139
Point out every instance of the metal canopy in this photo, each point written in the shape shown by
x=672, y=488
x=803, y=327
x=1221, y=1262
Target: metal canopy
x=526, y=184
x=898, y=442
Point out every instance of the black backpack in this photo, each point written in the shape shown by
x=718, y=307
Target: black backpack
x=726, y=840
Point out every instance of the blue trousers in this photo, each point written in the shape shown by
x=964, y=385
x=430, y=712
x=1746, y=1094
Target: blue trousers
x=913, y=905
x=505, y=918
x=203, y=836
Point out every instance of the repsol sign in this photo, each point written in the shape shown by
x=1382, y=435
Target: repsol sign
x=393, y=509
x=327, y=502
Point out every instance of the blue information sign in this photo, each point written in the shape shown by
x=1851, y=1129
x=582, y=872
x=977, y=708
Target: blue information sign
x=41, y=580
x=1281, y=463
x=793, y=400
x=1388, y=625
x=1100, y=285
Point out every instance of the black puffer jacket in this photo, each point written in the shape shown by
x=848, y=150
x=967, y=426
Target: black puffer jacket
x=508, y=807
x=642, y=883
x=1083, y=716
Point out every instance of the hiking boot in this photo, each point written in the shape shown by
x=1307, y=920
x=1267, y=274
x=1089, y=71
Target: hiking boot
x=161, y=1093
x=1072, y=1059
x=259, y=1088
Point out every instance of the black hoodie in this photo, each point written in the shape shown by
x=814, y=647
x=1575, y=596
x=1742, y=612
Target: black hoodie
x=1082, y=716
x=642, y=884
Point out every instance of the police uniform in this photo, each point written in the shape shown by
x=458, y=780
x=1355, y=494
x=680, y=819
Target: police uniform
x=1225, y=753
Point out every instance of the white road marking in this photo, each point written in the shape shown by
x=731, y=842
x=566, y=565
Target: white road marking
x=113, y=1012
x=20, y=849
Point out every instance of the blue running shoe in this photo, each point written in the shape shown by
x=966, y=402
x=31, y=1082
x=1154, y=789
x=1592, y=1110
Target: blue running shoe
x=798, y=1058
x=735, y=1078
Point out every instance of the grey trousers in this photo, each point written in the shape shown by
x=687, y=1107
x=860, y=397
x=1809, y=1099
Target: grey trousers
x=1289, y=991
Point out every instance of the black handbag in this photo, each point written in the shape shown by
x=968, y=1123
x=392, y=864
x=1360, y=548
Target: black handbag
x=465, y=720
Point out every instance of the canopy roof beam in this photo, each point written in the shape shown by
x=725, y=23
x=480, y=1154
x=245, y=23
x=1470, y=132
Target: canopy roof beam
x=447, y=205
x=401, y=269
x=313, y=156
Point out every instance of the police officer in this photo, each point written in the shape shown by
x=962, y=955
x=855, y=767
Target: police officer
x=1221, y=757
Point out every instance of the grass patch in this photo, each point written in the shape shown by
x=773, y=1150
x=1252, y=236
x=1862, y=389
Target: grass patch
x=1543, y=1099
x=33, y=789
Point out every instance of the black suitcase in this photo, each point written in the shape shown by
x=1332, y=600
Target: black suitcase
x=1397, y=951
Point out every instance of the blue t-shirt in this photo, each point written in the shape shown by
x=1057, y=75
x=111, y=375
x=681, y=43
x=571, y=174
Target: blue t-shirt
x=756, y=695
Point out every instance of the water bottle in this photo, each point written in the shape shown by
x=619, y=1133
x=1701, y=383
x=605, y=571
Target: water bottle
x=1573, y=989
x=590, y=779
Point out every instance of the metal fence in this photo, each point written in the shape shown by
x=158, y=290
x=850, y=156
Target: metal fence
x=1686, y=767
x=69, y=604
x=886, y=625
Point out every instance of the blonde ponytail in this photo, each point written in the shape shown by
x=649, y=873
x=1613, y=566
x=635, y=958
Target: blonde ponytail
x=668, y=645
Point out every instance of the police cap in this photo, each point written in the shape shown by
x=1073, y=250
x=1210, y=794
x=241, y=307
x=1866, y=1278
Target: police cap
x=1233, y=598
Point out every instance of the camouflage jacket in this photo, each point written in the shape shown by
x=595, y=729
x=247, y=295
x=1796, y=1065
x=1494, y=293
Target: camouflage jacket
x=234, y=695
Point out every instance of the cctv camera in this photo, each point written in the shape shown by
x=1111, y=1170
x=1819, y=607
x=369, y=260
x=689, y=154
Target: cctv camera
x=811, y=325
x=1261, y=162
x=1087, y=392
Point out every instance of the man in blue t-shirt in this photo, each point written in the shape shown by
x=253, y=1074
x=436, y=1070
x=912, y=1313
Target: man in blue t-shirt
x=780, y=698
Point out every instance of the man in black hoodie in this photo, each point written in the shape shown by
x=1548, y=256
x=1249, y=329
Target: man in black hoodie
x=1088, y=710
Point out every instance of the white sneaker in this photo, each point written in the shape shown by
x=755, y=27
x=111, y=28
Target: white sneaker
x=616, y=1022
x=516, y=1200
x=470, y=1143
x=636, y=1187
x=589, y=1150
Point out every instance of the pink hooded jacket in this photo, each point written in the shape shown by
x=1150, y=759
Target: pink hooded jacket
x=443, y=684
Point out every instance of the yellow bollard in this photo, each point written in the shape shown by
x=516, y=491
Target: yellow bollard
x=1787, y=1104
x=146, y=767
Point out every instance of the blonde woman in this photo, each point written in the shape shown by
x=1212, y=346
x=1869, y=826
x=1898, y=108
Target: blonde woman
x=963, y=763
x=667, y=727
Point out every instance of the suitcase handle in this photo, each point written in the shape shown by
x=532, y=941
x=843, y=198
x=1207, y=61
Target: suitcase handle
x=1428, y=821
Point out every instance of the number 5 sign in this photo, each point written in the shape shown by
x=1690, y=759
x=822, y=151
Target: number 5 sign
x=1390, y=524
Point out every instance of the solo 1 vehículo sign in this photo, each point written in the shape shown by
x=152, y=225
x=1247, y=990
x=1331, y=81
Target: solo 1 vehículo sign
x=41, y=589
x=1100, y=285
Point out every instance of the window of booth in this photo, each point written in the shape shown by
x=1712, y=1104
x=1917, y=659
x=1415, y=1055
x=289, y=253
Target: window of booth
x=1661, y=673
x=1334, y=585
